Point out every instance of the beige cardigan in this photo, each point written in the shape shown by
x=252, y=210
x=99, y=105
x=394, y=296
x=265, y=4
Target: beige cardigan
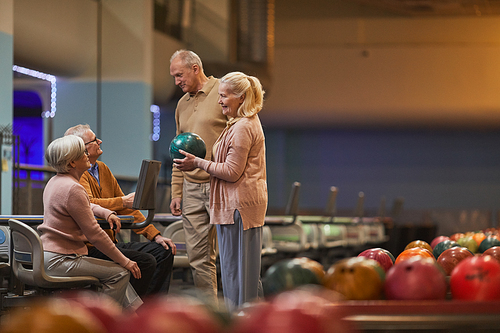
x=69, y=222
x=238, y=174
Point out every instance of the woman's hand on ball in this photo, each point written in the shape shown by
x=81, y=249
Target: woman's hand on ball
x=187, y=163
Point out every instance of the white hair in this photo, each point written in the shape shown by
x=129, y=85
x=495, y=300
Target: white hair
x=188, y=58
x=64, y=150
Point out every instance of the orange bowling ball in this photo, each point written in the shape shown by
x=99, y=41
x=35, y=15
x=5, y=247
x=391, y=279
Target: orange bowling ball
x=479, y=237
x=419, y=243
x=412, y=252
x=357, y=278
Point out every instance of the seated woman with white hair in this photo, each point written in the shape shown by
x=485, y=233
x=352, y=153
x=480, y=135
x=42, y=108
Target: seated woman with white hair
x=69, y=222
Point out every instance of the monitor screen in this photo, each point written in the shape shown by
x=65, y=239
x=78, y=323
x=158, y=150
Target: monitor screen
x=145, y=193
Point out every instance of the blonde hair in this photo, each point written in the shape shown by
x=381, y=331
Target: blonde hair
x=241, y=84
x=188, y=58
x=78, y=130
x=64, y=150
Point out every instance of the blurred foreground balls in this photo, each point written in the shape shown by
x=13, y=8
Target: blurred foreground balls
x=52, y=315
x=295, y=311
x=172, y=314
x=189, y=142
x=101, y=306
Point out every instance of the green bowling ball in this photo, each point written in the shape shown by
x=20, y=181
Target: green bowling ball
x=488, y=242
x=189, y=142
x=443, y=246
x=287, y=274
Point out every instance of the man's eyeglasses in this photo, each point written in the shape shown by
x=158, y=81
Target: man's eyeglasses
x=86, y=152
x=95, y=140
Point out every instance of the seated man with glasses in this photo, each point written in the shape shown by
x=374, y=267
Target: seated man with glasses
x=155, y=258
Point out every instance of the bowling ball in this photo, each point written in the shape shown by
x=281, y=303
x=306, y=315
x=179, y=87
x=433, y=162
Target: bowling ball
x=413, y=252
x=493, y=251
x=451, y=257
x=357, y=278
x=390, y=255
x=488, y=242
x=313, y=266
x=189, y=142
x=104, y=308
x=490, y=231
x=383, y=257
x=51, y=315
x=287, y=274
x=415, y=278
x=441, y=247
x=176, y=313
x=456, y=236
x=419, y=243
x=476, y=279
x=479, y=237
x=294, y=311
x=468, y=242
x=438, y=240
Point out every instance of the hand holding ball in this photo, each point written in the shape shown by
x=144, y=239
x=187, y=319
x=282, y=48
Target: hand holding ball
x=189, y=142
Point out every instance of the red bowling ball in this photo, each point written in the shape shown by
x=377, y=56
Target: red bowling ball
x=438, y=240
x=476, y=279
x=379, y=255
x=293, y=311
x=451, y=257
x=493, y=251
x=415, y=278
x=162, y=314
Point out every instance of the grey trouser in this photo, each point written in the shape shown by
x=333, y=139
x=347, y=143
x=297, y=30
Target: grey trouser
x=200, y=237
x=240, y=261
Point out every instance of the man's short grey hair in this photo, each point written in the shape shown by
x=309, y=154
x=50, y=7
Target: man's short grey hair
x=188, y=58
x=64, y=150
x=78, y=130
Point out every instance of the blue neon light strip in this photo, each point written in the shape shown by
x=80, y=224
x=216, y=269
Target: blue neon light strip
x=46, y=77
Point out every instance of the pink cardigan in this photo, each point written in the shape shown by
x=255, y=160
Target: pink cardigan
x=68, y=220
x=238, y=174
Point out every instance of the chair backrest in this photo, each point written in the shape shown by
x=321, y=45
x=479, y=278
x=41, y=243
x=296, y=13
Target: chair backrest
x=145, y=193
x=28, y=263
x=175, y=232
x=4, y=244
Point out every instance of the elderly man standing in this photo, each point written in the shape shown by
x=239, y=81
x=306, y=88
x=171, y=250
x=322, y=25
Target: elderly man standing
x=198, y=111
x=155, y=258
